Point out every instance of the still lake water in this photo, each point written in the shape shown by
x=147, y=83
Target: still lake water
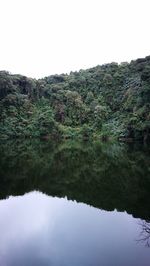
x=74, y=204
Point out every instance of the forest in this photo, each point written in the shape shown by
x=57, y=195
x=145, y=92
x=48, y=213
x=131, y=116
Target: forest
x=110, y=101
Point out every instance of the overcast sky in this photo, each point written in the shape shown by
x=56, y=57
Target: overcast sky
x=43, y=37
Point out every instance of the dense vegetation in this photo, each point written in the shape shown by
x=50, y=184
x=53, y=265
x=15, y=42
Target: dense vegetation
x=108, y=100
x=105, y=175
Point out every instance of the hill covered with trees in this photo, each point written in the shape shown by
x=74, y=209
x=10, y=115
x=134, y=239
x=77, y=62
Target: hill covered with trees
x=111, y=100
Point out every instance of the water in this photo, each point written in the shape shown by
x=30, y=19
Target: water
x=74, y=204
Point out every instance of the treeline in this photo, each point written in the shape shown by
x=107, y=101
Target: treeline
x=112, y=100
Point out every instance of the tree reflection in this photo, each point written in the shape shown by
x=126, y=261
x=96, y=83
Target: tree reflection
x=145, y=233
x=107, y=176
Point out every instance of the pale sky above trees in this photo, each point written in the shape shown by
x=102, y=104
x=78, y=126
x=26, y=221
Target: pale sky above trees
x=43, y=37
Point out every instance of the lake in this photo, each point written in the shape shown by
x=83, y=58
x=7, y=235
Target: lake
x=74, y=204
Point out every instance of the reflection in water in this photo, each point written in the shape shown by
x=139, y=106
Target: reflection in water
x=40, y=230
x=55, y=230
x=145, y=233
x=106, y=176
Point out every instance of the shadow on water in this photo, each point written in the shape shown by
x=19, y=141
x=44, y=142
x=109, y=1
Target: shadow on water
x=106, y=176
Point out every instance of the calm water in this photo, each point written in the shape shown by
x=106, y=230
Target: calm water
x=74, y=204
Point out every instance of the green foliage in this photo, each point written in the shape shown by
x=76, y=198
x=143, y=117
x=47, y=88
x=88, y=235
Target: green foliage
x=114, y=95
x=86, y=132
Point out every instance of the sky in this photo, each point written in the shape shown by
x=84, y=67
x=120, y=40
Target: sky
x=43, y=37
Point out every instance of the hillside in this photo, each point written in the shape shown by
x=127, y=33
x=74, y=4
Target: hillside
x=111, y=100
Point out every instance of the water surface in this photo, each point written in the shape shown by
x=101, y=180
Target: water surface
x=74, y=204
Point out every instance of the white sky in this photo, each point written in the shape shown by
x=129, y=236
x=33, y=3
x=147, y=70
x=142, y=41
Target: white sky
x=43, y=37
